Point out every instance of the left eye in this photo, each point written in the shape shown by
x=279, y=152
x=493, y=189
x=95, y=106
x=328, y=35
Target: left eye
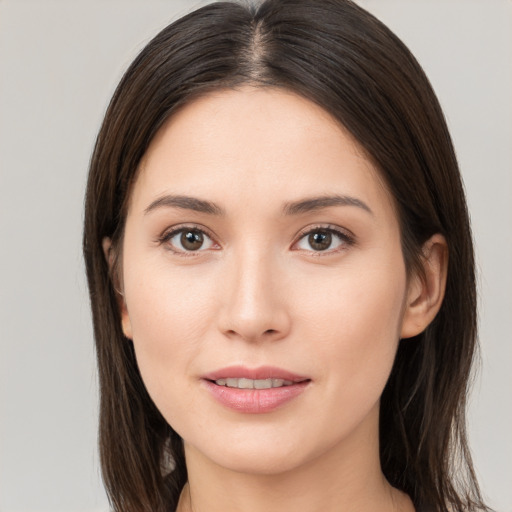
x=322, y=239
x=189, y=240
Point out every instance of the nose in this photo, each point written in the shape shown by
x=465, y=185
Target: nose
x=254, y=304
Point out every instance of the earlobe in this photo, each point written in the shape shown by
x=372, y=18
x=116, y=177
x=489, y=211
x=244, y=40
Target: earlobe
x=106, y=244
x=126, y=323
x=426, y=290
x=108, y=252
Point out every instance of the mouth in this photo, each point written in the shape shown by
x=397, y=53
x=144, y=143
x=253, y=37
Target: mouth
x=257, y=390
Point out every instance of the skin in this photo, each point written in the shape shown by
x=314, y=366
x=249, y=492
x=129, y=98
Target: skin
x=258, y=293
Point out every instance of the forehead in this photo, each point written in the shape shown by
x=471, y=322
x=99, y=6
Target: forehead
x=255, y=142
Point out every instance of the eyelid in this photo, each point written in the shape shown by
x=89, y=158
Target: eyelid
x=346, y=236
x=172, y=231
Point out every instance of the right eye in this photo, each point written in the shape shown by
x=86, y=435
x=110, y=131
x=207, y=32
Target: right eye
x=187, y=239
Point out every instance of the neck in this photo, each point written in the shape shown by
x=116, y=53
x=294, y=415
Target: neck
x=346, y=478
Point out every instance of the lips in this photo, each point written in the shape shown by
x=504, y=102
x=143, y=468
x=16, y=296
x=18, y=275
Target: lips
x=261, y=373
x=258, y=390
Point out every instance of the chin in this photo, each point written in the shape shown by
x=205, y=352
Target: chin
x=259, y=451
x=258, y=460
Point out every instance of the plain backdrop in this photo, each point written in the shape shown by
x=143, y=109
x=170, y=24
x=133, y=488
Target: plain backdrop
x=59, y=63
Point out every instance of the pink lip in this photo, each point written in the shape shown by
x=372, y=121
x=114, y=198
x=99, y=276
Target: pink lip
x=263, y=372
x=254, y=401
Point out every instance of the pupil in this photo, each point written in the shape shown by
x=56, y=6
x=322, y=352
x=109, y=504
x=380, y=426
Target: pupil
x=192, y=240
x=320, y=240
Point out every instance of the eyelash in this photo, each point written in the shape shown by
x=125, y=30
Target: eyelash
x=346, y=239
x=167, y=236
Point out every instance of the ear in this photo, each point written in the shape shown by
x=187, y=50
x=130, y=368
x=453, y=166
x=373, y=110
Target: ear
x=426, y=292
x=108, y=251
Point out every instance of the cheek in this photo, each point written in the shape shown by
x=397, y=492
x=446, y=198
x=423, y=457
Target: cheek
x=355, y=325
x=170, y=316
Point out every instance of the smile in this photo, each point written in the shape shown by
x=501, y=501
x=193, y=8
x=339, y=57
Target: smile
x=254, y=391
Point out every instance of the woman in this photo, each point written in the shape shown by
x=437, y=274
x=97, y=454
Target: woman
x=277, y=244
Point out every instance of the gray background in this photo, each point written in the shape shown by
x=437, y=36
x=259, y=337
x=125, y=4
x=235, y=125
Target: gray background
x=59, y=63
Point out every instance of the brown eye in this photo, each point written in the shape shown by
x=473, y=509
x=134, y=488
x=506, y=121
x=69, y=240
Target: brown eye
x=185, y=240
x=191, y=240
x=328, y=240
x=320, y=240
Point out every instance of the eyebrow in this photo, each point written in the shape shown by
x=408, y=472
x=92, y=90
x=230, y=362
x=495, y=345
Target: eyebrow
x=317, y=203
x=185, y=203
x=290, y=208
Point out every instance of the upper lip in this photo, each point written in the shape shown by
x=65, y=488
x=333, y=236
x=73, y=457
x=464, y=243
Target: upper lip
x=261, y=372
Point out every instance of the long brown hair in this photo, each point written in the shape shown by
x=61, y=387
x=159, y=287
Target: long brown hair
x=342, y=58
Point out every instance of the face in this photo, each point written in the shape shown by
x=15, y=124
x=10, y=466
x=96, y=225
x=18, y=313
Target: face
x=263, y=280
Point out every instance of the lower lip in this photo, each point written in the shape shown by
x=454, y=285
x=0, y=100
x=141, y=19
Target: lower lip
x=255, y=401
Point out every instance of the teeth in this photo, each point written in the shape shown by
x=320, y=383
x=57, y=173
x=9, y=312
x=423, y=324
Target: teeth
x=245, y=384
x=253, y=383
x=264, y=384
